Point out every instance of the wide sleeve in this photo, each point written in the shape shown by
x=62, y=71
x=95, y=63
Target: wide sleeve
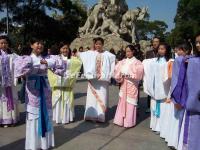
x=117, y=72
x=73, y=72
x=23, y=66
x=12, y=65
x=84, y=56
x=136, y=71
x=56, y=65
x=169, y=73
x=113, y=62
x=75, y=66
x=70, y=75
x=180, y=91
x=147, y=75
x=170, y=68
x=175, y=75
x=53, y=79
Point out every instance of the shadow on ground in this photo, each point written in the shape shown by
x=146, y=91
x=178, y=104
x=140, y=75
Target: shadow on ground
x=67, y=134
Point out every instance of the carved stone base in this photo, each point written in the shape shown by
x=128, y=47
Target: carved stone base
x=110, y=41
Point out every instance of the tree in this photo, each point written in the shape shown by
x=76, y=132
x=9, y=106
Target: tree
x=147, y=29
x=32, y=18
x=187, y=22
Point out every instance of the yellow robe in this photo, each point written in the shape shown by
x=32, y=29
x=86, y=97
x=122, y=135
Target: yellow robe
x=62, y=87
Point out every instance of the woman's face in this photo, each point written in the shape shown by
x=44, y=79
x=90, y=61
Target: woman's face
x=64, y=50
x=198, y=43
x=129, y=53
x=37, y=48
x=162, y=50
x=98, y=45
x=181, y=52
x=3, y=44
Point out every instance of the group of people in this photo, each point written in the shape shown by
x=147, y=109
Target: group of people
x=173, y=91
x=47, y=88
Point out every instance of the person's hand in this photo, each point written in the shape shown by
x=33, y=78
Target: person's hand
x=126, y=76
x=168, y=100
x=178, y=106
x=43, y=61
x=22, y=77
x=123, y=75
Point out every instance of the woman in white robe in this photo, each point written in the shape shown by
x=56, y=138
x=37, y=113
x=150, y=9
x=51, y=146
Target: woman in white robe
x=98, y=69
x=157, y=85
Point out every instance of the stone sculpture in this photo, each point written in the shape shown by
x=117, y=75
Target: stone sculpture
x=111, y=19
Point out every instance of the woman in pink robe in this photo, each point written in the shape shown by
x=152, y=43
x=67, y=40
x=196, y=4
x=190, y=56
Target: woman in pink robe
x=128, y=72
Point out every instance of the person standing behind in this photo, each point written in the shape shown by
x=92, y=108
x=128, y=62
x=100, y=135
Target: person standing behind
x=81, y=70
x=80, y=49
x=74, y=52
x=152, y=54
x=9, y=114
x=121, y=54
x=112, y=51
x=140, y=54
x=113, y=82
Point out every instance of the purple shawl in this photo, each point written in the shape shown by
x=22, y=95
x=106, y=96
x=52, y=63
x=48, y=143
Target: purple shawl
x=7, y=79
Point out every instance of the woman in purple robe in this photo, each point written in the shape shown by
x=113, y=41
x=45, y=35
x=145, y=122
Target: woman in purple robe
x=39, y=127
x=176, y=112
x=187, y=94
x=8, y=86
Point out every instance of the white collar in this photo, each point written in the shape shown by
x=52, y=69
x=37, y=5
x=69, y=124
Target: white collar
x=64, y=57
x=130, y=59
x=34, y=56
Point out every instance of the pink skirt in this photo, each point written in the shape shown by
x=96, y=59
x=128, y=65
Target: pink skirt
x=130, y=118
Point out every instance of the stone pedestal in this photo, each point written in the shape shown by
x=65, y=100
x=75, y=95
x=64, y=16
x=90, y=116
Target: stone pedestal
x=110, y=41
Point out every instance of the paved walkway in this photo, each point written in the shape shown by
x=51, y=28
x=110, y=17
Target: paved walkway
x=82, y=135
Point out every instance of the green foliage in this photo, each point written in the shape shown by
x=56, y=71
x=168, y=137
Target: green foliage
x=187, y=22
x=148, y=29
x=50, y=20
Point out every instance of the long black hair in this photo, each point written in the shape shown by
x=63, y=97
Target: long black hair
x=34, y=40
x=55, y=49
x=61, y=44
x=4, y=37
x=196, y=52
x=132, y=48
x=168, y=51
x=186, y=47
x=98, y=39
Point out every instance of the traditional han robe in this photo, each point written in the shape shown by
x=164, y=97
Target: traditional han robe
x=98, y=69
x=175, y=114
x=62, y=90
x=171, y=120
x=186, y=93
x=157, y=85
x=168, y=108
x=39, y=127
x=132, y=69
x=8, y=90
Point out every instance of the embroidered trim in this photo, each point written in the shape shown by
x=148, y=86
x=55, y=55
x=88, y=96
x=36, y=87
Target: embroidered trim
x=103, y=107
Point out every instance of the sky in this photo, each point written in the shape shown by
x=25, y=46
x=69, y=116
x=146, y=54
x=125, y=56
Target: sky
x=164, y=10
